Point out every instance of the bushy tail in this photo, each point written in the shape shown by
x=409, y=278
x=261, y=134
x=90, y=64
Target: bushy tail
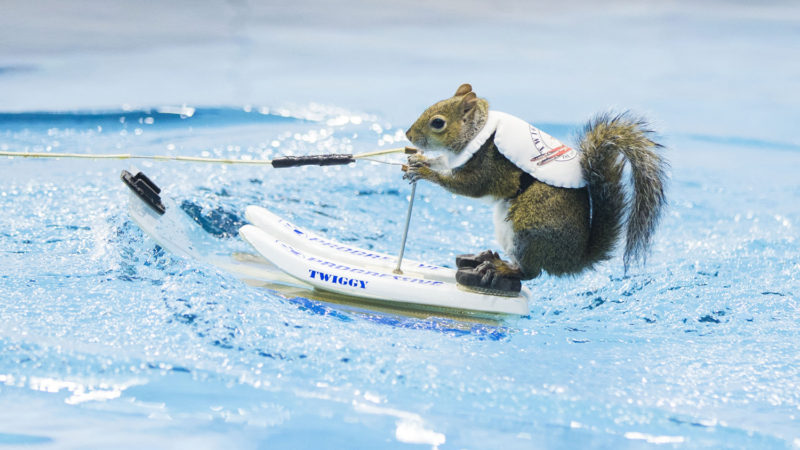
x=603, y=140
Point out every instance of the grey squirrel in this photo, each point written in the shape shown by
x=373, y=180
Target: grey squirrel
x=541, y=225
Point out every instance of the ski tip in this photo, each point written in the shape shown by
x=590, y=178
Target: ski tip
x=145, y=189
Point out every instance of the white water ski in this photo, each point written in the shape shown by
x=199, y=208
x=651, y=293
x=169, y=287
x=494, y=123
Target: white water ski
x=332, y=266
x=297, y=263
x=308, y=241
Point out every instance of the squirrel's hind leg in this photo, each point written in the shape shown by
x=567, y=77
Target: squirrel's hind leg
x=500, y=267
x=468, y=261
x=488, y=260
x=492, y=275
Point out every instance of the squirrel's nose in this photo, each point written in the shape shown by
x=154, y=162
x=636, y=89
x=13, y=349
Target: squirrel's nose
x=408, y=135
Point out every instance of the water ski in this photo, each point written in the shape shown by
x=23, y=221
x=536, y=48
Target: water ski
x=297, y=263
x=333, y=266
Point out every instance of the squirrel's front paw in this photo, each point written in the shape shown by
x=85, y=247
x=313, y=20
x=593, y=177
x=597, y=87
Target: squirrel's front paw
x=418, y=158
x=417, y=168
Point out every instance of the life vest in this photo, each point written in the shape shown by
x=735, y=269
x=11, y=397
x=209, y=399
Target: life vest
x=529, y=148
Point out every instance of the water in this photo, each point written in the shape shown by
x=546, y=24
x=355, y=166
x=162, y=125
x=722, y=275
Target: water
x=107, y=340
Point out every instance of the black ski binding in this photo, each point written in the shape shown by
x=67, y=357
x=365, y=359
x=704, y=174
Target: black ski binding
x=145, y=189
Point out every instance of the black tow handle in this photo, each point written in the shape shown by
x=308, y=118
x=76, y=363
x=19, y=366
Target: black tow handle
x=312, y=160
x=322, y=160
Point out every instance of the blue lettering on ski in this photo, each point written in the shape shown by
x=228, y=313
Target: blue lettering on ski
x=354, y=282
x=335, y=279
x=346, y=249
x=371, y=273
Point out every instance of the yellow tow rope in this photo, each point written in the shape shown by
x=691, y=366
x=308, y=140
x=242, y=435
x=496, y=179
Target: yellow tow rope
x=199, y=159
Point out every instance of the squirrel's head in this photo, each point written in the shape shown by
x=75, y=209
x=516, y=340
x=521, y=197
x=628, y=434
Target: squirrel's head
x=450, y=124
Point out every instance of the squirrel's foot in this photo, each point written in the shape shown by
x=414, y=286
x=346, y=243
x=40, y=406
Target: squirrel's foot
x=474, y=260
x=507, y=269
x=417, y=168
x=418, y=158
x=488, y=278
x=502, y=267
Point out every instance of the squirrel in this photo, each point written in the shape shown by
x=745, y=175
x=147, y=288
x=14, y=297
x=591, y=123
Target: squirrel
x=559, y=223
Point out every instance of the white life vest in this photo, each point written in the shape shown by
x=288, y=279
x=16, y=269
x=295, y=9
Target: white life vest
x=532, y=150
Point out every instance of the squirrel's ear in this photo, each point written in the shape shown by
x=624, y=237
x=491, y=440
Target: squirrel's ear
x=463, y=89
x=469, y=101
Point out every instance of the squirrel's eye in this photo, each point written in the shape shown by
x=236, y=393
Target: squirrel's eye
x=437, y=123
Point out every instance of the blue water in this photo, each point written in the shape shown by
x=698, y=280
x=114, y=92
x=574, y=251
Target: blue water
x=109, y=341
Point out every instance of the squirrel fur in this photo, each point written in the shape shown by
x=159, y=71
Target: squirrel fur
x=562, y=231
